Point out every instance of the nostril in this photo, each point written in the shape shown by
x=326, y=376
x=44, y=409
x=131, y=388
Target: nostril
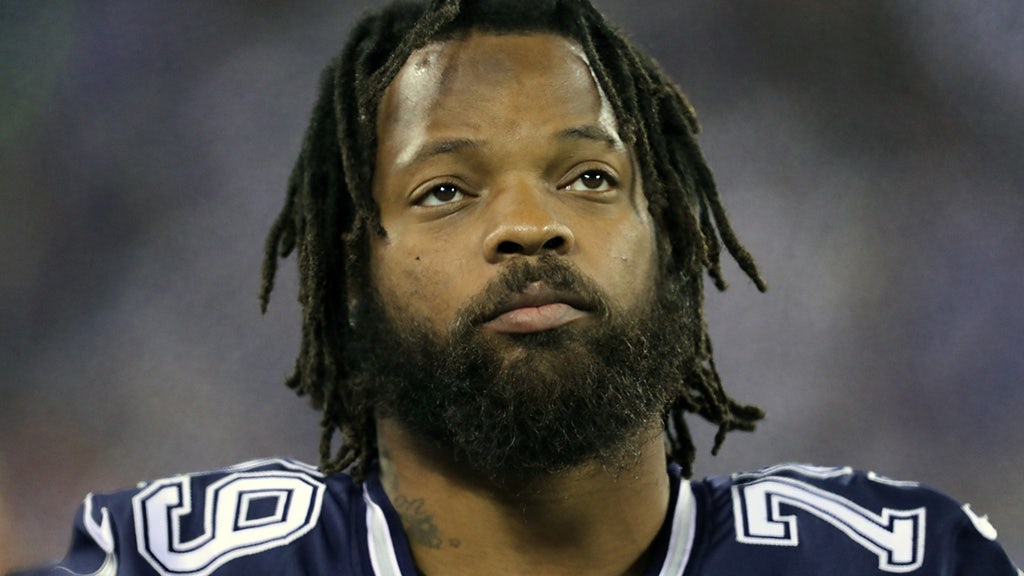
x=509, y=247
x=554, y=243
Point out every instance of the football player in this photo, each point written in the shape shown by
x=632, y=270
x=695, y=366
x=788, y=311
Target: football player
x=502, y=221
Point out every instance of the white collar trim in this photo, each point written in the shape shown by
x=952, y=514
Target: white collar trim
x=680, y=543
x=378, y=539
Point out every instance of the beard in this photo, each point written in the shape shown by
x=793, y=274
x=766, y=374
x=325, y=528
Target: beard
x=519, y=406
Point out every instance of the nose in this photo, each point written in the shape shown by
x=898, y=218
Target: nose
x=526, y=225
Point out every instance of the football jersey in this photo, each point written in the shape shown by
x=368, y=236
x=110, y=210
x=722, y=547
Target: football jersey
x=284, y=518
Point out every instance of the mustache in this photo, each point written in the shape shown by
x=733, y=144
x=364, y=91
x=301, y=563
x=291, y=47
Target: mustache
x=557, y=275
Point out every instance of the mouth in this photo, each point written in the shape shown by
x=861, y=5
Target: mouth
x=536, y=309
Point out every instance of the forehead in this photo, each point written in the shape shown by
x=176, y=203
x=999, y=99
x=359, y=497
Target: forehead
x=488, y=74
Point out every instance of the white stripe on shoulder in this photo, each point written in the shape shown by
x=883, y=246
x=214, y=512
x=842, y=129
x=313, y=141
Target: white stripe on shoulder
x=378, y=539
x=680, y=543
x=282, y=462
x=103, y=535
x=108, y=568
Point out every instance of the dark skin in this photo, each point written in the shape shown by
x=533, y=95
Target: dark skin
x=493, y=148
x=583, y=521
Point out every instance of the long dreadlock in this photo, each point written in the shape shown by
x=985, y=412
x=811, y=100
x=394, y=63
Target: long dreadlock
x=329, y=212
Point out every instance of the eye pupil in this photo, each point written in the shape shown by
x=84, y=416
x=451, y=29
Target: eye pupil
x=445, y=192
x=592, y=180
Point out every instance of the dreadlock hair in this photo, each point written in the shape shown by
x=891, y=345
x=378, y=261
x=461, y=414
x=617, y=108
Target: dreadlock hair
x=329, y=211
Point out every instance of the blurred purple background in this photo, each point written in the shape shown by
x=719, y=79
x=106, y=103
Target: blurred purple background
x=870, y=153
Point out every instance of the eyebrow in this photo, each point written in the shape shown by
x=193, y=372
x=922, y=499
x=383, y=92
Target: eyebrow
x=455, y=145
x=590, y=132
x=441, y=147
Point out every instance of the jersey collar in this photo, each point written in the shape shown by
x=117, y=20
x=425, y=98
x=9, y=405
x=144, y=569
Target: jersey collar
x=389, y=553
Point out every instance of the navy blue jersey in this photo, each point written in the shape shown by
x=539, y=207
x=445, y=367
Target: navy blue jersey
x=284, y=518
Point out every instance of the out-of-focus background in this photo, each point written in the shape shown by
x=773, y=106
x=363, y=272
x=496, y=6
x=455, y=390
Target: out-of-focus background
x=870, y=153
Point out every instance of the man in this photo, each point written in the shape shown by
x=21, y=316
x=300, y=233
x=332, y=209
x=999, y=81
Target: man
x=502, y=221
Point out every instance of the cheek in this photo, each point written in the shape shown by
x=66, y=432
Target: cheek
x=417, y=285
x=633, y=262
x=395, y=275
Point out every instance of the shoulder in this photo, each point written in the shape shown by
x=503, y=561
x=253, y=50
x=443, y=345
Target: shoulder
x=242, y=516
x=243, y=485
x=794, y=512
x=826, y=486
x=252, y=491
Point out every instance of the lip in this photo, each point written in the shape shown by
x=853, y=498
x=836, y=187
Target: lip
x=536, y=309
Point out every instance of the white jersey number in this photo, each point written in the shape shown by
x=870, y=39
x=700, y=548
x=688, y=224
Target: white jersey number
x=895, y=536
x=245, y=513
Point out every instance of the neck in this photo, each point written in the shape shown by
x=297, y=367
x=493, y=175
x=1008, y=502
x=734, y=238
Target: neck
x=586, y=520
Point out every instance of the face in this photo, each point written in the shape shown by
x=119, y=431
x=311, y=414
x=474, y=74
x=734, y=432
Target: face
x=493, y=149
x=517, y=316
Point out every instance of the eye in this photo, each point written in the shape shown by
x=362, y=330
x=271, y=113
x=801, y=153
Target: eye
x=440, y=195
x=592, y=181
